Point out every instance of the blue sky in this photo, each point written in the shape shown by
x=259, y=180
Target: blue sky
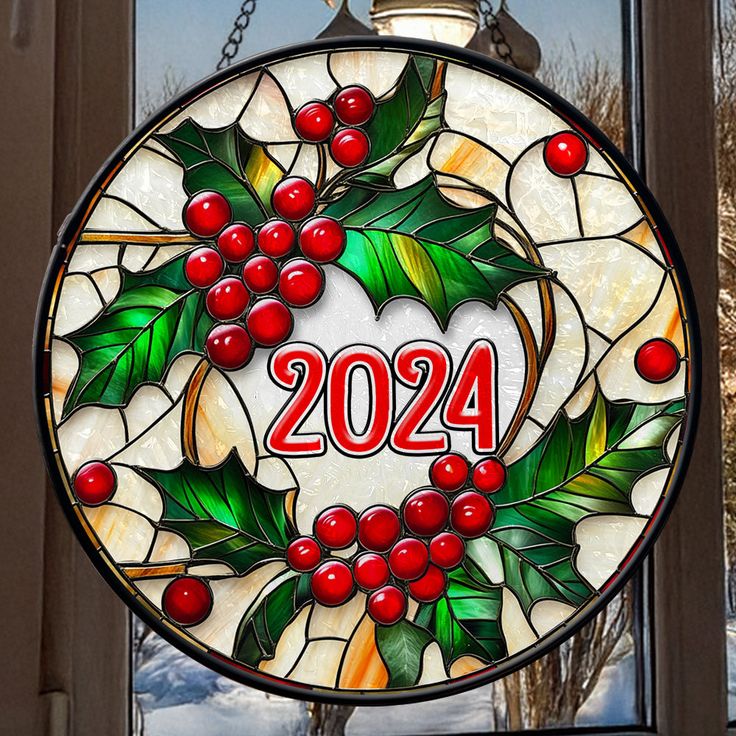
x=187, y=35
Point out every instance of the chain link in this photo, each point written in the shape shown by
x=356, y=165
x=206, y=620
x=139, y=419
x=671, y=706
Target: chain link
x=235, y=38
x=490, y=20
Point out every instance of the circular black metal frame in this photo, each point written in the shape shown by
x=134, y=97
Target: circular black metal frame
x=283, y=687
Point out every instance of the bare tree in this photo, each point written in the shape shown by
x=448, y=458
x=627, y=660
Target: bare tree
x=148, y=101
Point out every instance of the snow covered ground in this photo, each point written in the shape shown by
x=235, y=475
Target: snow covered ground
x=181, y=697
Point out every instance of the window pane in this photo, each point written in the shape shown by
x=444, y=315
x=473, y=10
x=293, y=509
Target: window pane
x=603, y=669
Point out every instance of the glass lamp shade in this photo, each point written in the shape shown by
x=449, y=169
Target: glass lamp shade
x=451, y=21
x=345, y=24
x=510, y=38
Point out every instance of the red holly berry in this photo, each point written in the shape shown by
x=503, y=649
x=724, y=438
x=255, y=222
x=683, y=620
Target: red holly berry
x=354, y=105
x=471, y=514
x=227, y=299
x=387, y=606
x=229, y=346
x=269, y=322
x=236, y=242
x=408, y=559
x=293, y=198
x=332, y=583
x=378, y=528
x=446, y=550
x=203, y=267
x=303, y=554
x=260, y=274
x=300, y=283
x=276, y=238
x=430, y=586
x=95, y=483
x=350, y=147
x=206, y=214
x=322, y=239
x=489, y=475
x=336, y=527
x=187, y=600
x=566, y=154
x=371, y=571
x=314, y=122
x=657, y=360
x=426, y=512
x=449, y=472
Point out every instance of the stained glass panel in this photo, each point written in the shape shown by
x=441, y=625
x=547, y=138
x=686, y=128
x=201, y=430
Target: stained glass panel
x=412, y=457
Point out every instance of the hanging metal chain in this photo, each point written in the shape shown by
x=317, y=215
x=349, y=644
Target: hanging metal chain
x=235, y=38
x=490, y=20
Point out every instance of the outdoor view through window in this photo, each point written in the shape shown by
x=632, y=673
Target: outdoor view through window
x=600, y=677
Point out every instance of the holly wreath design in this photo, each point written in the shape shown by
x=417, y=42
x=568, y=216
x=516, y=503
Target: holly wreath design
x=254, y=256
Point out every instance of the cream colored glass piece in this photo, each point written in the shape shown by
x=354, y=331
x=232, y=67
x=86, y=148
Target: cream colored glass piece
x=157, y=447
x=320, y=663
x=306, y=163
x=90, y=433
x=597, y=164
x=64, y=367
x=485, y=553
x=433, y=666
x=289, y=646
x=467, y=159
x=580, y=400
x=307, y=80
x=179, y=373
x=546, y=615
x=79, y=304
x=643, y=236
x=162, y=254
x=543, y=202
x=89, y=257
x=137, y=494
x=284, y=153
x=125, y=534
x=414, y=169
x=222, y=423
x=528, y=434
x=516, y=630
x=500, y=115
x=607, y=206
x=647, y=491
x=337, y=622
x=565, y=362
x=604, y=542
x=147, y=404
x=526, y=297
x=267, y=116
x=218, y=108
x=108, y=282
x=112, y=215
x=274, y=473
x=154, y=185
x=168, y=547
x=379, y=73
x=603, y=273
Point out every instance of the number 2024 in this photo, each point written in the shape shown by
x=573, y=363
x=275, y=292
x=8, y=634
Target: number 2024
x=467, y=399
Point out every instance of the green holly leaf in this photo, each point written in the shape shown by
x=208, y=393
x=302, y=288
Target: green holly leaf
x=224, y=513
x=227, y=161
x=412, y=242
x=404, y=121
x=265, y=620
x=155, y=317
x=579, y=468
x=401, y=647
x=466, y=620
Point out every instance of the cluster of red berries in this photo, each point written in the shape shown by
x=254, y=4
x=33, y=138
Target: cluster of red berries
x=401, y=552
x=314, y=122
x=250, y=276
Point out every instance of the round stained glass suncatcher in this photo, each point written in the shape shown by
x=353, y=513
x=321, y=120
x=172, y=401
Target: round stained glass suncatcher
x=366, y=371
